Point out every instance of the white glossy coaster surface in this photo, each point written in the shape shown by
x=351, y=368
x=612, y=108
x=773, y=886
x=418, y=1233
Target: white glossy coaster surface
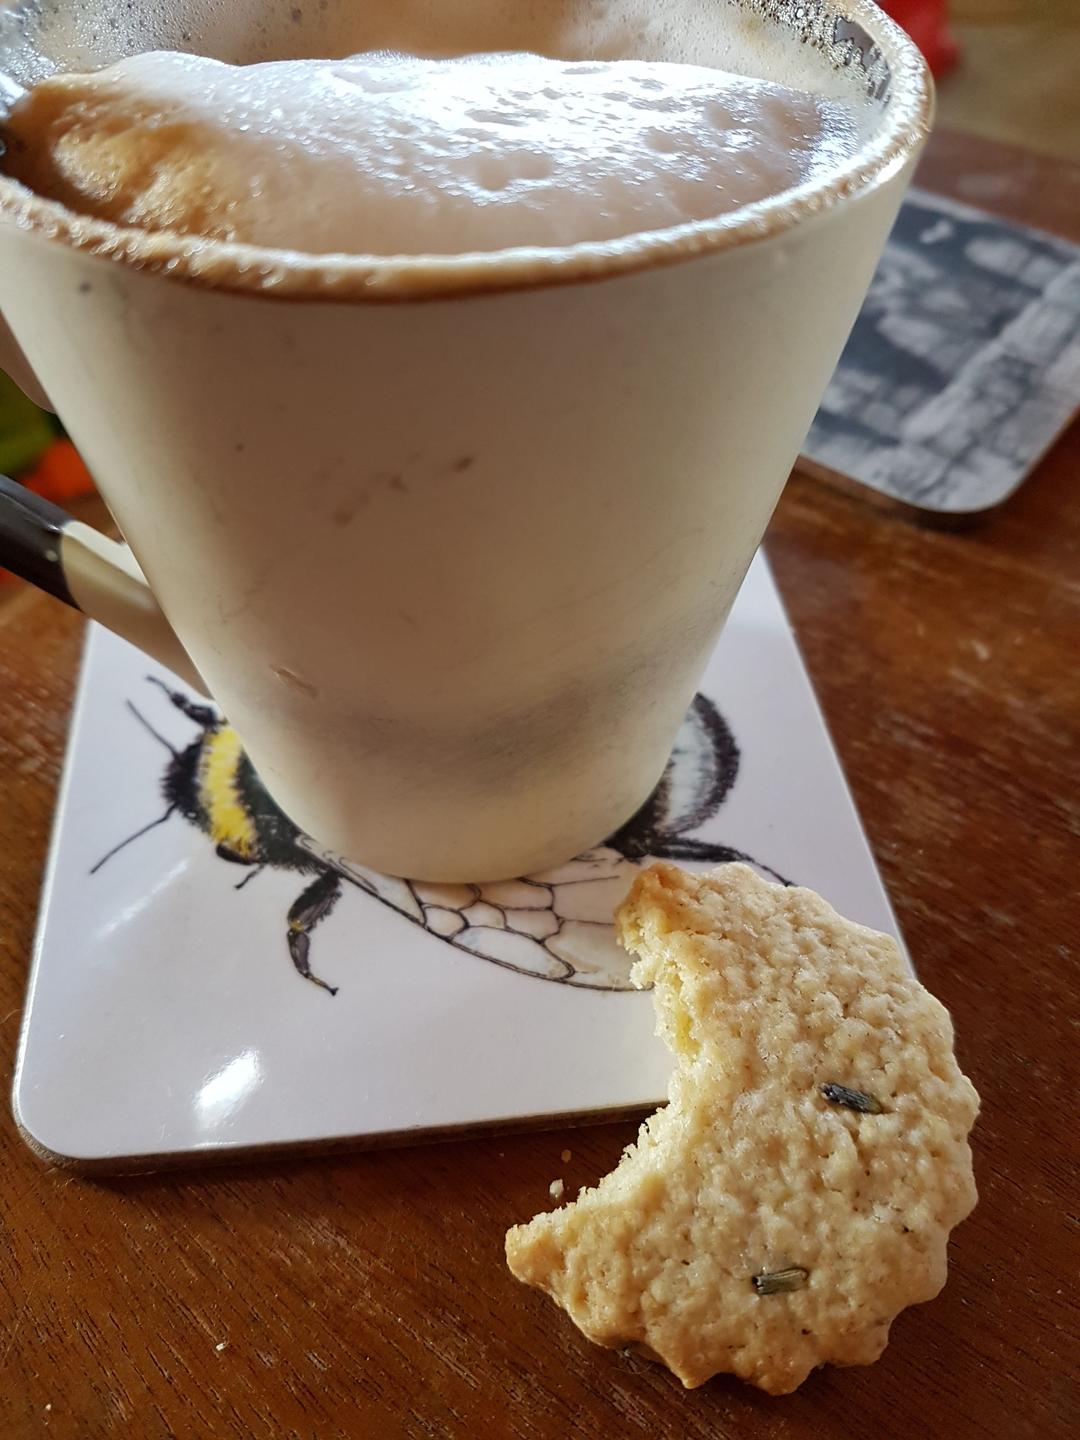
x=166, y=1014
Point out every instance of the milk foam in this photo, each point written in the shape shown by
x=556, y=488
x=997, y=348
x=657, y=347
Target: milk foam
x=387, y=154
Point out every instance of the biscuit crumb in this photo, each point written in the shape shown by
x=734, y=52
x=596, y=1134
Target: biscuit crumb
x=555, y=1189
x=566, y=1156
x=798, y=1190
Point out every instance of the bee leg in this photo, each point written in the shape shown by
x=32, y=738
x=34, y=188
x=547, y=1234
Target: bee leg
x=313, y=905
x=224, y=852
x=684, y=847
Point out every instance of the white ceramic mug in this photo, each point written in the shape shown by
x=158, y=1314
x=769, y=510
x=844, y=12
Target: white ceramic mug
x=450, y=539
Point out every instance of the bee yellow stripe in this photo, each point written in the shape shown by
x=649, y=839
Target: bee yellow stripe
x=230, y=823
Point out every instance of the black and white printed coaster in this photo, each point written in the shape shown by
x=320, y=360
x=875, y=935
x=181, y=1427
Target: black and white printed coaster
x=964, y=365
x=166, y=1019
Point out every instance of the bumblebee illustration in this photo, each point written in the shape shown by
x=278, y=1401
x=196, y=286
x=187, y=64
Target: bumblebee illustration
x=556, y=925
x=213, y=784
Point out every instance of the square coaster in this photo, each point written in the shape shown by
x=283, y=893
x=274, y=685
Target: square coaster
x=964, y=365
x=168, y=1017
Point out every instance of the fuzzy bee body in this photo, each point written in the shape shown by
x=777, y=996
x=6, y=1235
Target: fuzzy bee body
x=213, y=785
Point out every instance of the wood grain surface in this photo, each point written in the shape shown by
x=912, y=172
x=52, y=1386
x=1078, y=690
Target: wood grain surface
x=367, y=1295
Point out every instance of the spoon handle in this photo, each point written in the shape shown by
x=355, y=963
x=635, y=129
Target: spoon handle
x=86, y=570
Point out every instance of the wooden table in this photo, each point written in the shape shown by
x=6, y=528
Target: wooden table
x=367, y=1296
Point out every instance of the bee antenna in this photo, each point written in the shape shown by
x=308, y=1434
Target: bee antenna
x=157, y=680
x=137, y=835
x=147, y=726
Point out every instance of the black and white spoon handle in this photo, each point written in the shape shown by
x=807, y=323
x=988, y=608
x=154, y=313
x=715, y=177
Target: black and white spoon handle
x=85, y=569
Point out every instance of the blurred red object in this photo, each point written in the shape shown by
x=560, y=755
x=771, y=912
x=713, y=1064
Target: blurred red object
x=926, y=21
x=59, y=474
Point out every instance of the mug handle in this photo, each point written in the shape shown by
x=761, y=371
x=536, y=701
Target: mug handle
x=51, y=549
x=15, y=363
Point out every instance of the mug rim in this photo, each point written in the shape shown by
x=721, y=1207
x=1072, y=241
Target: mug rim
x=278, y=273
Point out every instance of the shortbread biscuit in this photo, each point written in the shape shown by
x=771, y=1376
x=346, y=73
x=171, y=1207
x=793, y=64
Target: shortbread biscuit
x=798, y=1190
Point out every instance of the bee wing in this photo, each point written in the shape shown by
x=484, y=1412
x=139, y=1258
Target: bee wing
x=541, y=942
x=396, y=893
x=555, y=926
x=511, y=950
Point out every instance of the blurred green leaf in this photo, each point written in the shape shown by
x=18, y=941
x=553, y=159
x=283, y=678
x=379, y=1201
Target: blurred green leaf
x=25, y=431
